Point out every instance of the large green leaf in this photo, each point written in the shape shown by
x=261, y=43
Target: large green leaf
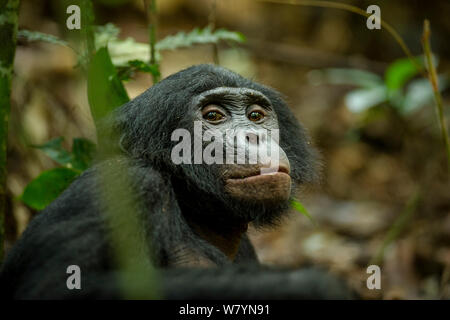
x=83, y=151
x=105, y=91
x=400, y=71
x=55, y=151
x=40, y=192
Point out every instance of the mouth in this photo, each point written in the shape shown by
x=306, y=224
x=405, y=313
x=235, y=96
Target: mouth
x=268, y=188
x=252, y=173
x=274, y=177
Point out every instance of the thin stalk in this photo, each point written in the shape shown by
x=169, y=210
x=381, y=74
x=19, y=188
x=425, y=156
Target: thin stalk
x=432, y=77
x=9, y=12
x=212, y=24
x=87, y=21
x=350, y=8
x=397, y=227
x=152, y=17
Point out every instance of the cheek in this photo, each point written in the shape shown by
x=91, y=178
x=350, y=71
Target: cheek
x=264, y=189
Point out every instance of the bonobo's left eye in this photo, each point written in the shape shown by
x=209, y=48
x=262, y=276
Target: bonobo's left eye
x=256, y=114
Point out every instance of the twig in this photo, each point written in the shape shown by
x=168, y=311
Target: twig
x=350, y=8
x=397, y=227
x=88, y=22
x=432, y=77
x=304, y=56
x=152, y=16
x=8, y=31
x=212, y=23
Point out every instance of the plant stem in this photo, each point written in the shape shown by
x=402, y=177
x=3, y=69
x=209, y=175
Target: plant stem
x=150, y=6
x=8, y=34
x=432, y=77
x=212, y=24
x=87, y=22
x=397, y=227
x=351, y=8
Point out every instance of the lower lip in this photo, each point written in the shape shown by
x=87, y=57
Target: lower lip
x=261, y=178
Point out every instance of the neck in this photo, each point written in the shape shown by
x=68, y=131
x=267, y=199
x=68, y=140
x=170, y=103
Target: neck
x=203, y=218
x=227, y=238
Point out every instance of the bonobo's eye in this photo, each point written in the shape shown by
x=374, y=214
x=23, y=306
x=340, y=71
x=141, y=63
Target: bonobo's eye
x=213, y=114
x=256, y=114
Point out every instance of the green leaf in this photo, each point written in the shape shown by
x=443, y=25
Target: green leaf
x=80, y=158
x=105, y=91
x=226, y=35
x=400, y=71
x=198, y=36
x=83, y=151
x=105, y=34
x=40, y=192
x=300, y=208
x=139, y=65
x=143, y=66
x=121, y=51
x=419, y=93
x=360, y=100
x=345, y=76
x=39, y=36
x=55, y=151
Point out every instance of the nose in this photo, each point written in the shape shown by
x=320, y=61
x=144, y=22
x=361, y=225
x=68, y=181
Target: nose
x=252, y=138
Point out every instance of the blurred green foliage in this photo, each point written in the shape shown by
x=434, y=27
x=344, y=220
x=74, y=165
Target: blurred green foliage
x=40, y=192
x=398, y=89
x=114, y=61
x=129, y=56
x=80, y=158
x=104, y=88
x=301, y=209
x=39, y=36
x=49, y=184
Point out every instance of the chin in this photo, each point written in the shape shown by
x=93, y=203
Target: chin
x=261, y=199
x=267, y=189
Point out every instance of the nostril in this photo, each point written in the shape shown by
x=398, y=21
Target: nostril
x=252, y=138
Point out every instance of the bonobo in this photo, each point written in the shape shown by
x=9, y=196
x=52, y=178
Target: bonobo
x=205, y=152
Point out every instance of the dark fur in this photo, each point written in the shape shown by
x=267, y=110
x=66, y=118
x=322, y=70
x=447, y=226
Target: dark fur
x=74, y=230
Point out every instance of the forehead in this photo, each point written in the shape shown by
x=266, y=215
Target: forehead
x=231, y=94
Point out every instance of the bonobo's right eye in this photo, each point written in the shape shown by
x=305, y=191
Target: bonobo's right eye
x=213, y=114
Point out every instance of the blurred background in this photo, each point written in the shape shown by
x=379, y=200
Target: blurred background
x=385, y=192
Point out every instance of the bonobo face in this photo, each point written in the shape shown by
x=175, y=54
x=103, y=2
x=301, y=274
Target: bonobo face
x=167, y=125
x=254, y=169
